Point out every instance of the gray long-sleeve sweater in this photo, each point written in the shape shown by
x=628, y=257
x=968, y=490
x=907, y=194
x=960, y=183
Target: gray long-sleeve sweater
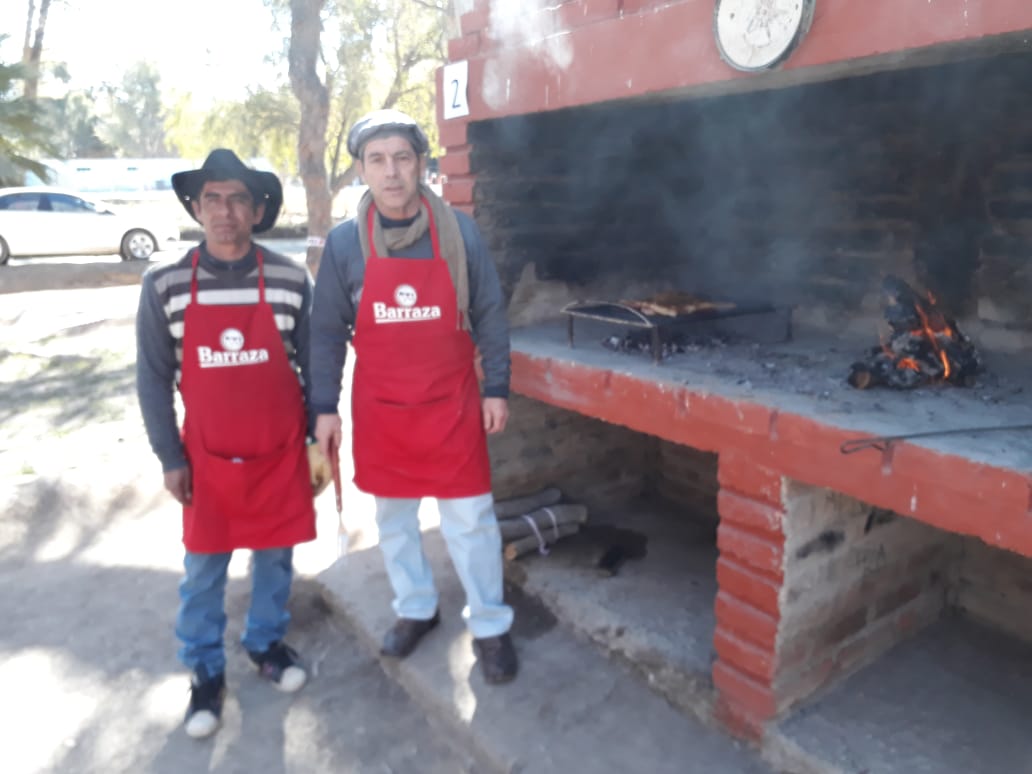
x=338, y=287
x=159, y=329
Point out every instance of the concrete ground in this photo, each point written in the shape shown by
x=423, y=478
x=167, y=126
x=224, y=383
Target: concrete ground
x=571, y=709
x=953, y=700
x=656, y=612
x=91, y=544
x=90, y=558
x=610, y=680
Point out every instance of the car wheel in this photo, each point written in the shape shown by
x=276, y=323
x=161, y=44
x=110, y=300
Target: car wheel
x=138, y=245
x=5, y=252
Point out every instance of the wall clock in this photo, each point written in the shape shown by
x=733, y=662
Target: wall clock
x=755, y=35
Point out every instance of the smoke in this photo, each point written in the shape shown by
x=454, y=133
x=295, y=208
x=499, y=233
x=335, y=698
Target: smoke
x=519, y=26
x=807, y=194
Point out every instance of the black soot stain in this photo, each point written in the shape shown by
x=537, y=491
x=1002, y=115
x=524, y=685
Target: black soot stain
x=824, y=543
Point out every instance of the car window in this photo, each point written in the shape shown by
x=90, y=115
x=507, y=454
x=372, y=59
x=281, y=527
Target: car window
x=20, y=201
x=65, y=203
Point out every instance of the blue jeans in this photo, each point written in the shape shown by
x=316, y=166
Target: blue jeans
x=470, y=531
x=202, y=617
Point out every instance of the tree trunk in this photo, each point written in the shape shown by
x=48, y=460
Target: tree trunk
x=27, y=40
x=313, y=98
x=32, y=54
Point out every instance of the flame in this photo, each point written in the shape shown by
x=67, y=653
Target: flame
x=908, y=362
x=931, y=332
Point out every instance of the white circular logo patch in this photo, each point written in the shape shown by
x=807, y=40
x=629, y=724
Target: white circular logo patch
x=760, y=34
x=232, y=340
x=405, y=295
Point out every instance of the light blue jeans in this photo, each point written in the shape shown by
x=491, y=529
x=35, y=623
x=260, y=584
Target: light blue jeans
x=202, y=618
x=470, y=531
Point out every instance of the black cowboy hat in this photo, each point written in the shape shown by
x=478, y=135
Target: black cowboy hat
x=223, y=164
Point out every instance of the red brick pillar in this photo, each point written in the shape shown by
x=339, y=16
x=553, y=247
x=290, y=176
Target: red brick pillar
x=459, y=181
x=455, y=165
x=750, y=573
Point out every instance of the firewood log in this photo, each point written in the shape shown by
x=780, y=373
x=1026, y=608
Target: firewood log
x=518, y=548
x=518, y=527
x=520, y=505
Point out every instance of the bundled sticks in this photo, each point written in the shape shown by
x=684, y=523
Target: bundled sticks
x=535, y=522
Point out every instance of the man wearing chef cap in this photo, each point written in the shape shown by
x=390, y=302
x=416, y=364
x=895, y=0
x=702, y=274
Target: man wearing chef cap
x=410, y=284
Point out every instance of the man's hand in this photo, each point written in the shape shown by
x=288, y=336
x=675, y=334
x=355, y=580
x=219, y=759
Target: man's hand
x=328, y=433
x=496, y=414
x=319, y=467
x=178, y=482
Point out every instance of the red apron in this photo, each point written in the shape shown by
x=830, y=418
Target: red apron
x=244, y=429
x=417, y=422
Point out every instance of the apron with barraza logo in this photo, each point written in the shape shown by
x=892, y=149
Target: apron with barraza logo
x=244, y=429
x=417, y=422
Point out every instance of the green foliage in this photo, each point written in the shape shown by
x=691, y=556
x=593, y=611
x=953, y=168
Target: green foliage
x=263, y=125
x=386, y=53
x=135, y=124
x=24, y=138
x=377, y=54
x=75, y=125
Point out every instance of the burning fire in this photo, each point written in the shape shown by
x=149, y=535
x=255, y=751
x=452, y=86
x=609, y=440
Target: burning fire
x=924, y=346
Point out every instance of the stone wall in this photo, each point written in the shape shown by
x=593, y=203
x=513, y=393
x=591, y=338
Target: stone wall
x=857, y=580
x=808, y=195
x=994, y=586
x=598, y=463
x=687, y=478
x=592, y=462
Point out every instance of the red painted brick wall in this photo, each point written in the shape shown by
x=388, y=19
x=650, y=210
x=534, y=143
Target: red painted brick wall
x=532, y=57
x=810, y=193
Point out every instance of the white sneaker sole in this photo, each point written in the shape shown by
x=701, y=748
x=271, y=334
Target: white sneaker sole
x=292, y=680
x=201, y=724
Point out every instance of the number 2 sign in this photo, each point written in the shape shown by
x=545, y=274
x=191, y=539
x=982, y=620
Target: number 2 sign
x=456, y=81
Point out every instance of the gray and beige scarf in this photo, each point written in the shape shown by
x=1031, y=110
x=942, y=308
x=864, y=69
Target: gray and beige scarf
x=453, y=249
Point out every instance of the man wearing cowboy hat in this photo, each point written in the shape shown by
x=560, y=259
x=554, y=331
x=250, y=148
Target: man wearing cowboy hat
x=410, y=284
x=227, y=325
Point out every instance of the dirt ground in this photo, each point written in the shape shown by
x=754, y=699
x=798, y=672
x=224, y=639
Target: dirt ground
x=90, y=559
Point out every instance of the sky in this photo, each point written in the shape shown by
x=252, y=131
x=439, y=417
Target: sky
x=214, y=49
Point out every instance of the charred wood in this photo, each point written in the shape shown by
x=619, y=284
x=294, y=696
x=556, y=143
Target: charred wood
x=924, y=347
x=671, y=342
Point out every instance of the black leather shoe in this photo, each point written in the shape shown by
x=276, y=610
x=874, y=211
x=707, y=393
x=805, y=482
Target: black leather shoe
x=497, y=658
x=402, y=638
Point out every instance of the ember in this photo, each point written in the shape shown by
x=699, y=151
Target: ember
x=924, y=346
x=671, y=342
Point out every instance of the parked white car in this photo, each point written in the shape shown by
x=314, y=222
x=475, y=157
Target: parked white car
x=53, y=221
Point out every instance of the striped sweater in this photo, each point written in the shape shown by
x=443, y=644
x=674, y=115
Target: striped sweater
x=159, y=329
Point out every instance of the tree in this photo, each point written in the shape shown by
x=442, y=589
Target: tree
x=32, y=47
x=135, y=124
x=75, y=125
x=382, y=53
x=387, y=51
x=23, y=134
x=314, y=101
x=263, y=125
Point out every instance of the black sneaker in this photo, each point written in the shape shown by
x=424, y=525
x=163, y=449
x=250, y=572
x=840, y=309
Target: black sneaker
x=206, y=696
x=279, y=665
x=403, y=636
x=497, y=658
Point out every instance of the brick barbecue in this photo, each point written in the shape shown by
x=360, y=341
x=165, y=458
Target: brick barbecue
x=610, y=150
